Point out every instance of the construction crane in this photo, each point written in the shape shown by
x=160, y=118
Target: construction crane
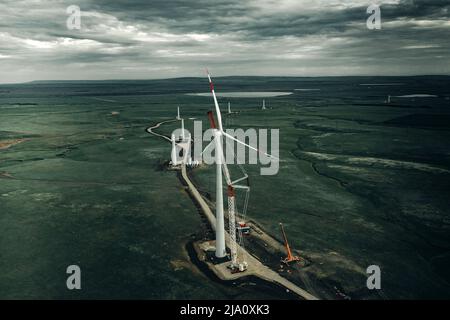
x=290, y=258
x=237, y=265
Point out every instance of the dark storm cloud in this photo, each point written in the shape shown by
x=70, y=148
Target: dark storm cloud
x=247, y=17
x=146, y=39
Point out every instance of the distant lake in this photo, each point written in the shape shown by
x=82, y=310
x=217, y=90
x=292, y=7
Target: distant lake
x=419, y=95
x=382, y=84
x=243, y=94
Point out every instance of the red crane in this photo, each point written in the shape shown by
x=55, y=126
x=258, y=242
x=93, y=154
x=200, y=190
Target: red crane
x=290, y=258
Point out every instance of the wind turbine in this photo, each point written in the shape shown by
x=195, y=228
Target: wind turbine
x=181, y=144
x=222, y=168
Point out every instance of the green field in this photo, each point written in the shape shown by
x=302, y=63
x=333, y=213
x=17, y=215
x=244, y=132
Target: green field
x=361, y=182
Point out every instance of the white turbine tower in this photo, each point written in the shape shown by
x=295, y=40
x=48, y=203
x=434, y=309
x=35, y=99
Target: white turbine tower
x=181, y=145
x=173, y=154
x=182, y=130
x=221, y=167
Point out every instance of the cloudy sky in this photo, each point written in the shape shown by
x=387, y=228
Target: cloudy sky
x=145, y=39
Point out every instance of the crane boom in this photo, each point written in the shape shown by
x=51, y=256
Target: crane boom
x=290, y=257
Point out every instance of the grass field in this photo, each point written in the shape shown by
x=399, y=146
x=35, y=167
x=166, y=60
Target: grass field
x=361, y=182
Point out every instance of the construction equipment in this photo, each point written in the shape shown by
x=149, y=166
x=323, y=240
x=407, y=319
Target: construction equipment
x=290, y=258
x=236, y=265
x=243, y=228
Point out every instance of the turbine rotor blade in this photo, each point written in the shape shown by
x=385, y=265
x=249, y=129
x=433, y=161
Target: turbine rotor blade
x=248, y=146
x=207, y=147
x=216, y=104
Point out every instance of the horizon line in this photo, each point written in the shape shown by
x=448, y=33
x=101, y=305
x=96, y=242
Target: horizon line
x=228, y=76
